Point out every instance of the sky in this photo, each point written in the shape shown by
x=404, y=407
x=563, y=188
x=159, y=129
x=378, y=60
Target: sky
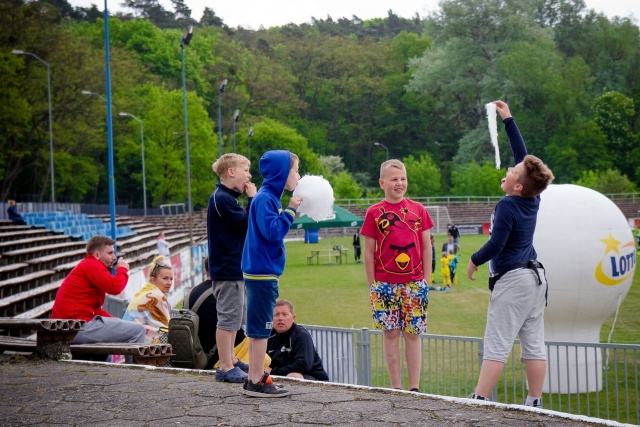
x=252, y=14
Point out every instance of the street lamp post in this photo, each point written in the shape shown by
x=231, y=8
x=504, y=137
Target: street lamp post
x=53, y=187
x=236, y=117
x=186, y=39
x=144, y=179
x=383, y=146
x=249, y=135
x=88, y=92
x=221, y=89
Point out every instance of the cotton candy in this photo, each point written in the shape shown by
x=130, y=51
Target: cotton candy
x=317, y=197
x=493, y=130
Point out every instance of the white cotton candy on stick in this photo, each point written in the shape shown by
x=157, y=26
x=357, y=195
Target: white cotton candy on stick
x=317, y=197
x=493, y=129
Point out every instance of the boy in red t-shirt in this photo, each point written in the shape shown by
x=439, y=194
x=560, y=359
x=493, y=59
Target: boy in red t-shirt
x=397, y=259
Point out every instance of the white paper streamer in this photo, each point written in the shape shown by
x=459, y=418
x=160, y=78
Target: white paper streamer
x=317, y=197
x=493, y=129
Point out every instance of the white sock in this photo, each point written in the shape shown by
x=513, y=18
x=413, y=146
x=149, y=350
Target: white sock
x=533, y=401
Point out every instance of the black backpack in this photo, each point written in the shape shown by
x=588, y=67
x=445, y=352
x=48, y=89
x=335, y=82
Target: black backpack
x=183, y=336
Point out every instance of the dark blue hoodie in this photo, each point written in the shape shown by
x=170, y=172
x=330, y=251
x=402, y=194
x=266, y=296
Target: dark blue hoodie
x=263, y=256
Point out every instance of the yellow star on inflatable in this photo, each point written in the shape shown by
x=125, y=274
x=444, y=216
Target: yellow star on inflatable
x=612, y=244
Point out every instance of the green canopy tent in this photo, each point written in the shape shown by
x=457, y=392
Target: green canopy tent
x=340, y=218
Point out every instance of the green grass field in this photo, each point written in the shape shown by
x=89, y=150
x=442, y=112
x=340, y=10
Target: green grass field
x=337, y=295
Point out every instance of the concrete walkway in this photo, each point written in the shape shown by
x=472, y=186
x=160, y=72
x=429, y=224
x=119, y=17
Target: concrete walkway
x=45, y=393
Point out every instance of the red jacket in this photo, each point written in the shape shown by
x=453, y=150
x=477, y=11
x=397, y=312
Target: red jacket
x=82, y=293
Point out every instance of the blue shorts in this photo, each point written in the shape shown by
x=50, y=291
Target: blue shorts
x=261, y=301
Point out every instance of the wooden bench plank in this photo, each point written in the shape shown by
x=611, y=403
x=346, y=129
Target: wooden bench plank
x=15, y=235
x=51, y=261
x=41, y=324
x=37, y=312
x=21, y=255
x=30, y=242
x=12, y=270
x=143, y=354
x=27, y=300
x=23, y=283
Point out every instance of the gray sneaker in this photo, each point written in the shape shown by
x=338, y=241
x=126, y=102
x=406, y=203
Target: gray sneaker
x=264, y=388
x=266, y=378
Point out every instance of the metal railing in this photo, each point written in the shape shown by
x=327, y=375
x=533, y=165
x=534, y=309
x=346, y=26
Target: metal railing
x=466, y=200
x=596, y=380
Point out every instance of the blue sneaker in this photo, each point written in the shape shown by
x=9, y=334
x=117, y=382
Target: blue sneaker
x=234, y=375
x=243, y=366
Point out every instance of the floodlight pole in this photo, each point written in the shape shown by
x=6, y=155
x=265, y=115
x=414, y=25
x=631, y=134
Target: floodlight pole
x=186, y=38
x=236, y=117
x=221, y=89
x=249, y=135
x=383, y=146
x=112, y=187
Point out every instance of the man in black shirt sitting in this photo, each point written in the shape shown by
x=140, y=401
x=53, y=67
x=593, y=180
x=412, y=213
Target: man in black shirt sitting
x=291, y=348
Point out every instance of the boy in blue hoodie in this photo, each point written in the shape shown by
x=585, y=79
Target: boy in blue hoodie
x=263, y=260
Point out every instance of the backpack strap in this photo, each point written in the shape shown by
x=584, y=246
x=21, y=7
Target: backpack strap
x=206, y=294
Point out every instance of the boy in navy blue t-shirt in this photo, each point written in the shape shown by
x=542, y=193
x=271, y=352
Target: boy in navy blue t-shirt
x=517, y=282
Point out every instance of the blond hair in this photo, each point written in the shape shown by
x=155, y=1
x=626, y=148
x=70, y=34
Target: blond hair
x=157, y=264
x=228, y=161
x=393, y=163
x=294, y=159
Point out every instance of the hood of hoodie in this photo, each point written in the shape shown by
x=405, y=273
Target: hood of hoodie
x=274, y=167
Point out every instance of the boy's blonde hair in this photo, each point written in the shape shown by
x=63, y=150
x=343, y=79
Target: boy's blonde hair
x=294, y=159
x=393, y=163
x=538, y=176
x=229, y=160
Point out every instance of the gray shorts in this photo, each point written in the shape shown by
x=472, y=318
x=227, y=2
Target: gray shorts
x=231, y=304
x=516, y=308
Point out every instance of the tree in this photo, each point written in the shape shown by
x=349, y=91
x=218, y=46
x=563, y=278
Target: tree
x=610, y=181
x=162, y=114
x=272, y=135
x=344, y=186
x=475, y=179
x=423, y=176
x=614, y=113
x=581, y=146
x=210, y=18
x=331, y=165
x=153, y=11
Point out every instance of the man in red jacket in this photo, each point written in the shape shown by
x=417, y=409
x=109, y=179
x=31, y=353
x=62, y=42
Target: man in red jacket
x=82, y=294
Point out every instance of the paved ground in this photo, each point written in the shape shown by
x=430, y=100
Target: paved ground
x=45, y=393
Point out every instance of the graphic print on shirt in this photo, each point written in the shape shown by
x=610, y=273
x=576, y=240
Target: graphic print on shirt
x=398, y=252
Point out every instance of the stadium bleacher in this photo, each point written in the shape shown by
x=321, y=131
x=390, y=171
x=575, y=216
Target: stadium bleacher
x=34, y=259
